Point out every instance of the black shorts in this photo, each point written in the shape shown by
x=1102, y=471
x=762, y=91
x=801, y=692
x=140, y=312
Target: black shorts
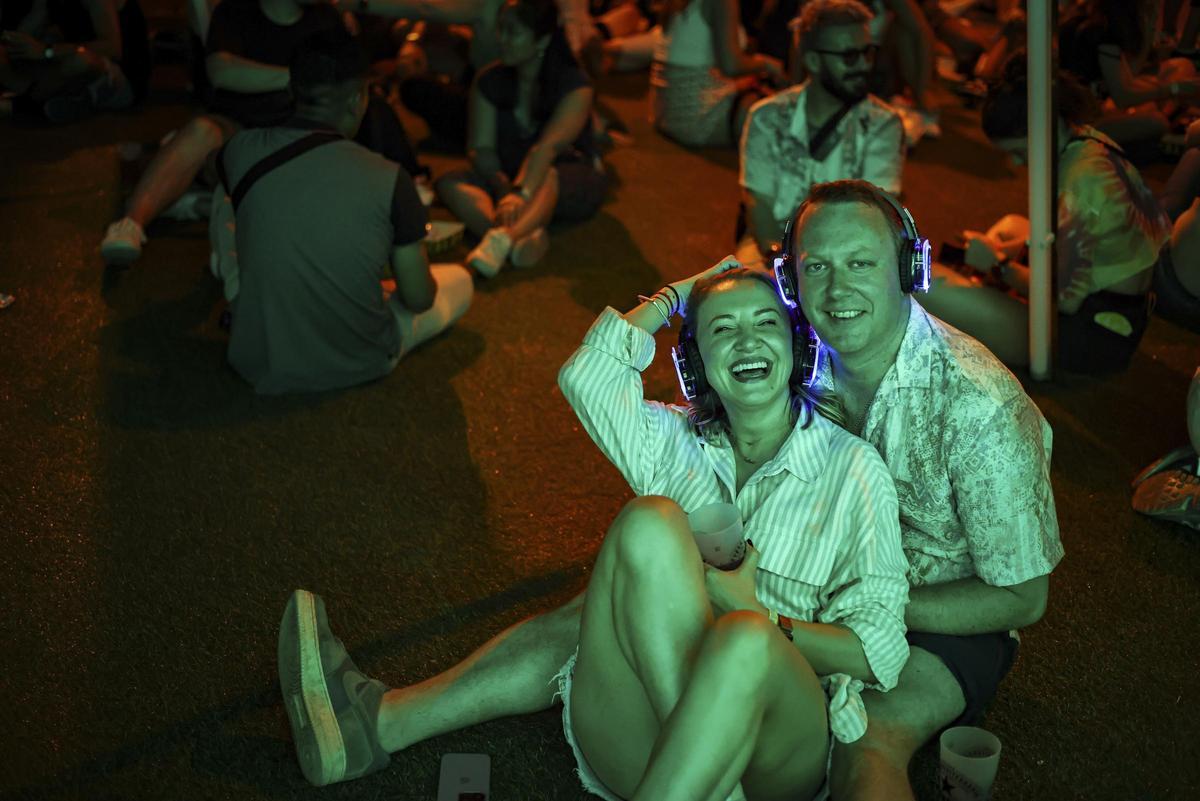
x=978, y=663
x=1085, y=346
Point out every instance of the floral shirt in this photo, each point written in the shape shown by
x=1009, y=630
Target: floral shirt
x=1110, y=225
x=776, y=164
x=970, y=455
x=822, y=512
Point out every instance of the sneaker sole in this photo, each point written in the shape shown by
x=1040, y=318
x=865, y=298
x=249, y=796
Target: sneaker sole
x=319, y=745
x=119, y=254
x=1168, y=461
x=484, y=268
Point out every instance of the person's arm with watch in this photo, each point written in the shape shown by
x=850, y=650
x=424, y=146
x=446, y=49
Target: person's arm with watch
x=560, y=132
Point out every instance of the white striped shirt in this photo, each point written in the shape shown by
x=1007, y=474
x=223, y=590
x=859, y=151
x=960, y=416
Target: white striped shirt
x=823, y=512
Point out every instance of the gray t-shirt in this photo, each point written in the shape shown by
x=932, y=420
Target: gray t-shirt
x=314, y=237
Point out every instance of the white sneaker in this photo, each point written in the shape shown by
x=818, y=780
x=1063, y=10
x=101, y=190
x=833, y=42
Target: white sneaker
x=122, y=242
x=194, y=204
x=424, y=191
x=488, y=256
x=529, y=250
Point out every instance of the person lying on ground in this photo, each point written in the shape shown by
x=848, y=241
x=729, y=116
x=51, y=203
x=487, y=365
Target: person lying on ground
x=812, y=615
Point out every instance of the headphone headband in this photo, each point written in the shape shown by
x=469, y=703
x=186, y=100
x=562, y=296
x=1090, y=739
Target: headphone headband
x=914, y=259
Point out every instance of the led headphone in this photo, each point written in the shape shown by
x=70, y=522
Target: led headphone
x=806, y=350
x=914, y=258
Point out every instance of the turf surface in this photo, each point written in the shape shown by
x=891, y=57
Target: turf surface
x=156, y=513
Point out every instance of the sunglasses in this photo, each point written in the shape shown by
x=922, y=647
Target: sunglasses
x=850, y=57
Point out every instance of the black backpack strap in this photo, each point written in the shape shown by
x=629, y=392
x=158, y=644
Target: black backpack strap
x=276, y=159
x=816, y=142
x=222, y=176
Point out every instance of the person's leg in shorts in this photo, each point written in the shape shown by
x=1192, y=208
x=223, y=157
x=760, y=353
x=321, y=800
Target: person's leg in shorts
x=947, y=681
x=454, y=291
x=653, y=706
x=168, y=175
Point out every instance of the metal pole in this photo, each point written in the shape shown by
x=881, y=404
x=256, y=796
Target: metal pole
x=1043, y=125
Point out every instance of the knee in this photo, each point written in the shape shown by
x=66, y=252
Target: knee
x=649, y=532
x=201, y=135
x=742, y=642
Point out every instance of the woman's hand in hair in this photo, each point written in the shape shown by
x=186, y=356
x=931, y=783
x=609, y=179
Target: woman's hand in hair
x=733, y=590
x=684, y=287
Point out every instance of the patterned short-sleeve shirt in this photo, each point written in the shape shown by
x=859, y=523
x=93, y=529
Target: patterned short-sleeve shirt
x=775, y=161
x=970, y=455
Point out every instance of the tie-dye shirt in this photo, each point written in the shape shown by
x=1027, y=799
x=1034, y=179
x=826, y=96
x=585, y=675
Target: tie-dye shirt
x=1110, y=225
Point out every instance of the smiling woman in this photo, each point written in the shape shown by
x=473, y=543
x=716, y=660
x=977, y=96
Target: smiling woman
x=648, y=689
x=736, y=303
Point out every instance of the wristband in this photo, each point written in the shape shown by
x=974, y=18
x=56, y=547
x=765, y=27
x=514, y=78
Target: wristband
x=784, y=623
x=653, y=301
x=678, y=307
x=522, y=191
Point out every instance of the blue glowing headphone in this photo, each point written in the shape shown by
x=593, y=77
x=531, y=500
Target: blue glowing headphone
x=806, y=351
x=914, y=257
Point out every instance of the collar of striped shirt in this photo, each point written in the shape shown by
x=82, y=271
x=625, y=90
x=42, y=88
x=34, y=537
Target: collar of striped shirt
x=803, y=454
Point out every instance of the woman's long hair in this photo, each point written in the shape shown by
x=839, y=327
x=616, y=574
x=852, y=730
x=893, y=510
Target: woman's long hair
x=706, y=412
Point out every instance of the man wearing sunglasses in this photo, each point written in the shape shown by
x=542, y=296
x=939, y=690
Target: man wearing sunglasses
x=827, y=128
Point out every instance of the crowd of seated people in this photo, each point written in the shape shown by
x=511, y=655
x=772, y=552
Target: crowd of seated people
x=318, y=228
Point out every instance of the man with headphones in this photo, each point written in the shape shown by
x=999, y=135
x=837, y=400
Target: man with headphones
x=970, y=455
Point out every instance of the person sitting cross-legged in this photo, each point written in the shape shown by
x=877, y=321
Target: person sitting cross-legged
x=315, y=234
x=533, y=156
x=811, y=616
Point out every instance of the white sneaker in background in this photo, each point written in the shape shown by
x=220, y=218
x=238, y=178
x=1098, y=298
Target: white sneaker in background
x=123, y=242
x=489, y=255
x=529, y=250
x=424, y=191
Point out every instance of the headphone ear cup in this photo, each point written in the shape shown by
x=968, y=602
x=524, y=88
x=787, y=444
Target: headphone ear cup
x=691, y=352
x=908, y=267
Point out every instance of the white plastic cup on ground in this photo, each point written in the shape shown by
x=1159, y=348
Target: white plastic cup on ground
x=969, y=759
x=717, y=528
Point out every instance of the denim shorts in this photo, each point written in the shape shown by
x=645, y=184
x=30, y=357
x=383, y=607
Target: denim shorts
x=591, y=782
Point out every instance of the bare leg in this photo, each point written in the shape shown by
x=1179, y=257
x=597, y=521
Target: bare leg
x=508, y=675
x=997, y=320
x=469, y=203
x=653, y=677
x=539, y=209
x=875, y=768
x=174, y=168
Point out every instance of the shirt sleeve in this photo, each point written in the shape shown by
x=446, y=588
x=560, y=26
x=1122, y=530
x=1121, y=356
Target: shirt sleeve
x=603, y=383
x=883, y=160
x=869, y=581
x=1000, y=471
x=757, y=170
x=409, y=215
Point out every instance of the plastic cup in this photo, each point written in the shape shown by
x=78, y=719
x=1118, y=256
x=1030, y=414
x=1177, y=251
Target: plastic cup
x=969, y=760
x=717, y=528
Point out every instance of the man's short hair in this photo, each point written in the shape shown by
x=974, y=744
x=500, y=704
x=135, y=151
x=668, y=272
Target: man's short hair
x=855, y=191
x=819, y=14
x=326, y=63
